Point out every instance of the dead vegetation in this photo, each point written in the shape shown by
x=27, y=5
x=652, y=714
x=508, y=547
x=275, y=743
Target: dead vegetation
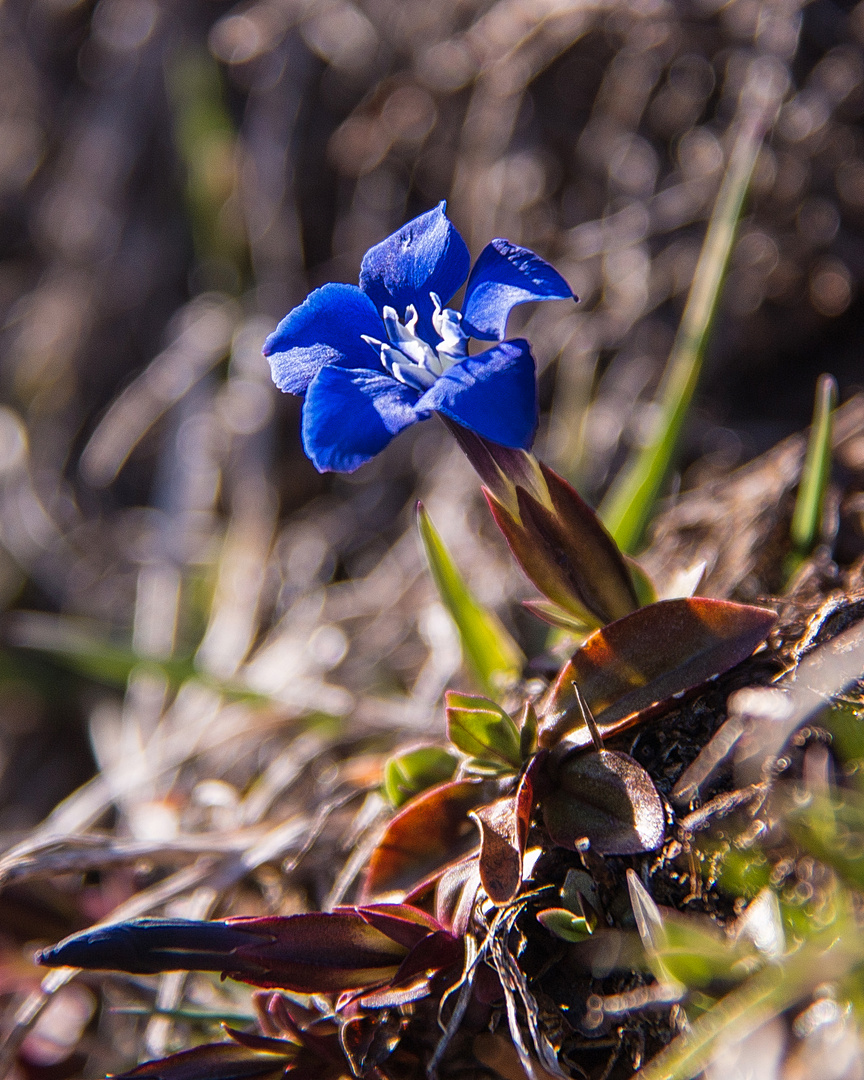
x=223, y=647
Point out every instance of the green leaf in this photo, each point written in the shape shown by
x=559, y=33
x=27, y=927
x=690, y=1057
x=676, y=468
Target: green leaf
x=698, y=954
x=527, y=730
x=845, y=722
x=409, y=773
x=572, y=922
x=833, y=831
x=807, y=517
x=827, y=956
x=480, y=728
x=645, y=592
x=491, y=653
x=565, y=925
x=206, y=140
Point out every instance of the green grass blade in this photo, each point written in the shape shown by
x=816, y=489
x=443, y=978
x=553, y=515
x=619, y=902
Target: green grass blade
x=629, y=503
x=208, y=1016
x=826, y=957
x=206, y=139
x=491, y=653
x=76, y=646
x=807, y=518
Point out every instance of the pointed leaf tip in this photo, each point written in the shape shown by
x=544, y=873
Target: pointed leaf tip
x=605, y=575
x=649, y=921
x=565, y=925
x=562, y=546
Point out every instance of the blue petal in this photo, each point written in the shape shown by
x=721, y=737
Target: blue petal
x=324, y=329
x=506, y=275
x=351, y=414
x=493, y=393
x=427, y=255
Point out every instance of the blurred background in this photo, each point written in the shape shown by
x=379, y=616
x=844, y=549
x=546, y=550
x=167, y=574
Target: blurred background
x=196, y=622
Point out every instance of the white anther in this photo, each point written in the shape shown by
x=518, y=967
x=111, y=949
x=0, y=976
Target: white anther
x=448, y=326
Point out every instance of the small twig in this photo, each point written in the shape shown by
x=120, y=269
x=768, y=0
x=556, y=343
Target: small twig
x=465, y=985
x=720, y=806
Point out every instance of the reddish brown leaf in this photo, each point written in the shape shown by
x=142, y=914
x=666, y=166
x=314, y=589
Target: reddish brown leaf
x=504, y=828
x=317, y=1039
x=313, y=953
x=318, y=952
x=268, y=1044
x=456, y=892
x=398, y=993
x=427, y=833
x=564, y=549
x=598, y=569
x=530, y=552
x=280, y=1015
x=419, y=972
x=435, y=952
x=369, y=1040
x=216, y=1061
x=606, y=798
x=500, y=855
x=639, y=662
x=402, y=923
x=424, y=891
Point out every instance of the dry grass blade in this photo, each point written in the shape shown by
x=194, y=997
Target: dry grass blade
x=173, y=179
x=206, y=327
x=819, y=678
x=86, y=852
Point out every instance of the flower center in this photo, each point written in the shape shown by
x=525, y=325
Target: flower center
x=411, y=359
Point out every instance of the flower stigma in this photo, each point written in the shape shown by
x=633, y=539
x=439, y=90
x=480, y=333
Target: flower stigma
x=410, y=359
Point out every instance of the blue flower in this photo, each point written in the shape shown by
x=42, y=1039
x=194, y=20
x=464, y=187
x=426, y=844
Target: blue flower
x=373, y=360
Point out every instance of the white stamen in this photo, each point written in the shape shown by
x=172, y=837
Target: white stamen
x=411, y=374
x=411, y=318
x=448, y=326
x=400, y=366
x=408, y=357
x=395, y=329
